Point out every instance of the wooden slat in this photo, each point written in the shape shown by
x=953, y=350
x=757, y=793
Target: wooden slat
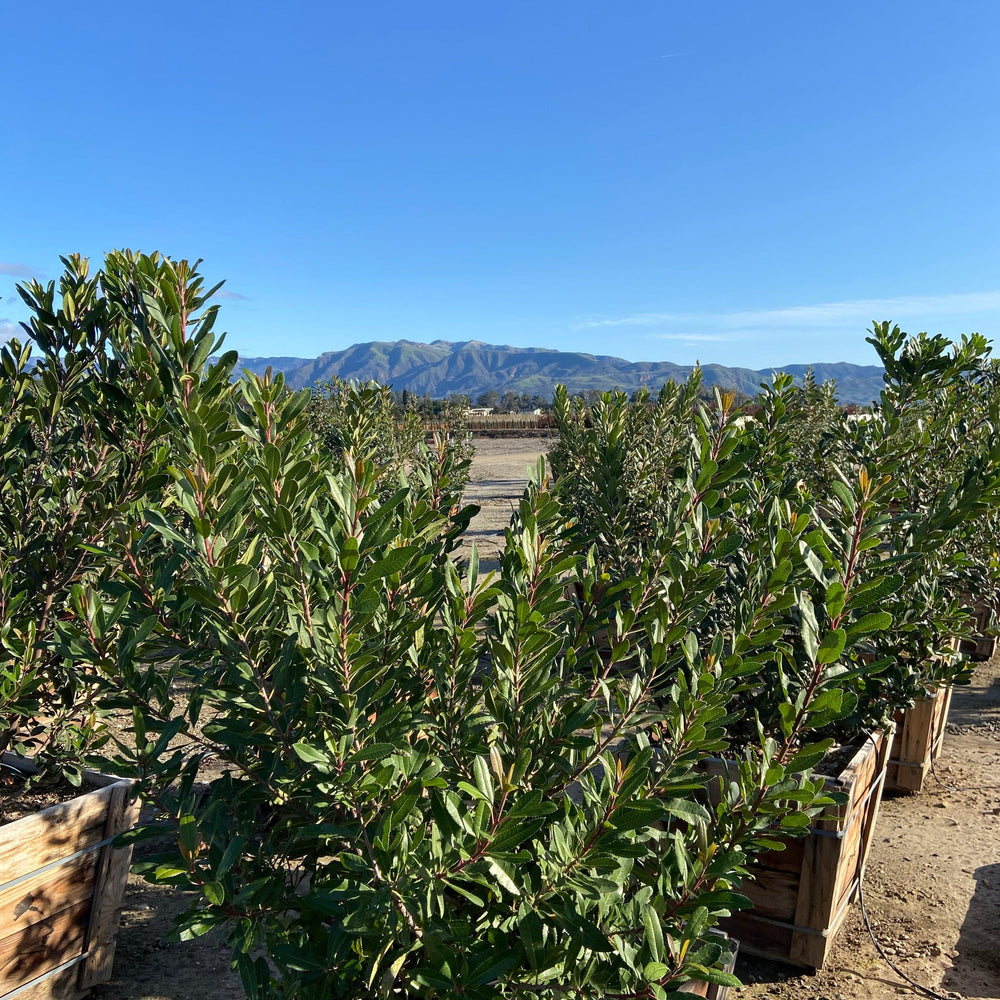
x=941, y=722
x=43, y=895
x=111, y=880
x=852, y=848
x=855, y=781
x=917, y=730
x=985, y=647
x=758, y=937
x=53, y=986
x=42, y=947
x=773, y=894
x=906, y=777
x=818, y=882
x=48, y=916
x=788, y=860
x=36, y=840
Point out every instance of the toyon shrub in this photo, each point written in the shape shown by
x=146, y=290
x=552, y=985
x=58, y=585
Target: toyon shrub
x=383, y=772
x=83, y=426
x=892, y=518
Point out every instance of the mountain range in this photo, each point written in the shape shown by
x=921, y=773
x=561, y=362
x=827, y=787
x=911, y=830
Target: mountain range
x=471, y=367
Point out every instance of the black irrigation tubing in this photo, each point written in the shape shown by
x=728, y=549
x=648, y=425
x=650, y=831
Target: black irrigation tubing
x=924, y=990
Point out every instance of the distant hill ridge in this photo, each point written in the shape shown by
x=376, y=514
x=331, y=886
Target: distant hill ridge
x=442, y=368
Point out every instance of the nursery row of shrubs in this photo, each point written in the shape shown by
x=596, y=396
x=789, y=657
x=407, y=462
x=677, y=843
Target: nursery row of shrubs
x=380, y=771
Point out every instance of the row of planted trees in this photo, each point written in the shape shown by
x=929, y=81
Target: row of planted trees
x=382, y=772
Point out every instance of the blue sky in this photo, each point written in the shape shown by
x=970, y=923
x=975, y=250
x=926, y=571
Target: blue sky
x=748, y=184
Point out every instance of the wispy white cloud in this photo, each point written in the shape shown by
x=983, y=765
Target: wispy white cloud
x=16, y=270
x=694, y=338
x=8, y=329
x=823, y=315
x=227, y=296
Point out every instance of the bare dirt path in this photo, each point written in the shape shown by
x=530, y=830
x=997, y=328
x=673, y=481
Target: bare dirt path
x=933, y=883
x=499, y=474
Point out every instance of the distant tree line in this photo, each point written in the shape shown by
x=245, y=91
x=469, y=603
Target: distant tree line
x=817, y=400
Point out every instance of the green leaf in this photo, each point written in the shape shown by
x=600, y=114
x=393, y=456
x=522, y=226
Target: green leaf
x=809, y=755
x=874, y=590
x=636, y=815
x=795, y=821
x=463, y=890
x=310, y=754
x=876, y=621
x=501, y=875
x=513, y=832
x=483, y=780
x=715, y=976
x=530, y=930
x=214, y=893
x=374, y=751
x=394, y=561
x=835, y=596
x=165, y=873
x=654, y=933
x=234, y=849
x=832, y=646
x=655, y=971
x=187, y=833
x=808, y=628
x=636, y=774
x=492, y=968
x=788, y=715
x=685, y=809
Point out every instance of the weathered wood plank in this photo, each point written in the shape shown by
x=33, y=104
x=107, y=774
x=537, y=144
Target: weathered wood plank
x=36, y=840
x=774, y=894
x=940, y=722
x=788, y=860
x=62, y=893
x=44, y=894
x=759, y=937
x=53, y=985
x=42, y=947
x=112, y=876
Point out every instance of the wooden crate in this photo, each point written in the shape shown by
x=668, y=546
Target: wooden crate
x=983, y=645
x=61, y=889
x=801, y=895
x=918, y=742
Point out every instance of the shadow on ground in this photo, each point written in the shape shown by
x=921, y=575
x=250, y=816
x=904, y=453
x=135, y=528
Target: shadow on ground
x=976, y=967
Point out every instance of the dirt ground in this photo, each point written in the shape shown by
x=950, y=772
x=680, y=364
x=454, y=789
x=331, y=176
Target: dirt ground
x=499, y=472
x=932, y=890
